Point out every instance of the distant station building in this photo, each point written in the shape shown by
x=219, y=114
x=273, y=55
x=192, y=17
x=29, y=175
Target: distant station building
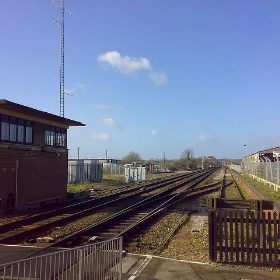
x=34, y=157
x=108, y=161
x=264, y=166
x=268, y=155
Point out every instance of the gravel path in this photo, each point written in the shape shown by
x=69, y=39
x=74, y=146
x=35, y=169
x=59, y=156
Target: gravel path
x=191, y=242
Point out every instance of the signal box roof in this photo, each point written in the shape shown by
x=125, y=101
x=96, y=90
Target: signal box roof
x=9, y=106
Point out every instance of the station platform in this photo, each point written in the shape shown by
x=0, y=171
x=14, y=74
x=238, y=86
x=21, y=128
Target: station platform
x=12, y=253
x=149, y=267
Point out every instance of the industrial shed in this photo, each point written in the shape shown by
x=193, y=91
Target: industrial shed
x=264, y=165
x=34, y=157
x=268, y=155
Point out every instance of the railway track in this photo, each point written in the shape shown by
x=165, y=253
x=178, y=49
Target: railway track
x=230, y=188
x=129, y=221
x=99, y=198
x=157, y=206
x=29, y=228
x=96, y=193
x=137, y=213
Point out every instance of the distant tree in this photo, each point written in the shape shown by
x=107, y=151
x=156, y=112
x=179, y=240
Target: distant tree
x=188, y=154
x=180, y=165
x=167, y=163
x=131, y=157
x=187, y=160
x=208, y=161
x=193, y=163
x=172, y=167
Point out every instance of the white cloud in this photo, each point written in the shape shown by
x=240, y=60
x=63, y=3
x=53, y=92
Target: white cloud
x=81, y=85
x=101, y=136
x=96, y=136
x=127, y=64
x=124, y=64
x=158, y=77
x=205, y=138
x=110, y=122
x=70, y=91
x=155, y=134
x=79, y=130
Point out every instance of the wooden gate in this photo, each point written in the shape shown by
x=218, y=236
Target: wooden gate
x=244, y=236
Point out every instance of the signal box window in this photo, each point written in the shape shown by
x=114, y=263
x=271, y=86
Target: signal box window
x=55, y=136
x=16, y=130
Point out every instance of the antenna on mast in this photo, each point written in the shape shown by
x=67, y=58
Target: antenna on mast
x=61, y=22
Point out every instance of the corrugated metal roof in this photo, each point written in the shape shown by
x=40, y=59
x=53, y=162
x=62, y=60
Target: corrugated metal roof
x=269, y=153
x=271, y=150
x=9, y=105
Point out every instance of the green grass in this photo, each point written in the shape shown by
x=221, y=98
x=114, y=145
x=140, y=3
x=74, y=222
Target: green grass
x=266, y=190
x=108, y=180
x=78, y=187
x=244, y=193
x=114, y=178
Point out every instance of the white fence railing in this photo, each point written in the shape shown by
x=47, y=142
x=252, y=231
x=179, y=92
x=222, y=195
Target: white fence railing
x=266, y=172
x=92, y=262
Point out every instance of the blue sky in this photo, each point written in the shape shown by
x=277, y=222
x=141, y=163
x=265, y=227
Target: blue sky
x=150, y=76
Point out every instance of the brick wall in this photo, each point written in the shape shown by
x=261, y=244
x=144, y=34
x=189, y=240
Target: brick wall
x=40, y=176
x=39, y=134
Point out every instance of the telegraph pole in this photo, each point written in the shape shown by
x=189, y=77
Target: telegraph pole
x=164, y=161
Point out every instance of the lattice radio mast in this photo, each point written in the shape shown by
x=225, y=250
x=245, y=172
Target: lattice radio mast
x=61, y=22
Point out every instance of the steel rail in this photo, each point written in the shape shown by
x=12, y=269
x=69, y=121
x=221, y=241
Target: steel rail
x=163, y=195
x=241, y=195
x=30, y=230
x=49, y=214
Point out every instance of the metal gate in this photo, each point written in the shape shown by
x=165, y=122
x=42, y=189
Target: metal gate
x=93, y=262
x=244, y=236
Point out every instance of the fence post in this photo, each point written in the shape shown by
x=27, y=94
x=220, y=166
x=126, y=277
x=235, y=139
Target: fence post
x=120, y=256
x=80, y=264
x=212, y=224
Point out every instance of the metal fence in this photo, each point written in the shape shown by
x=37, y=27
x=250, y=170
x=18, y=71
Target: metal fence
x=235, y=167
x=93, y=262
x=113, y=169
x=267, y=171
x=83, y=172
